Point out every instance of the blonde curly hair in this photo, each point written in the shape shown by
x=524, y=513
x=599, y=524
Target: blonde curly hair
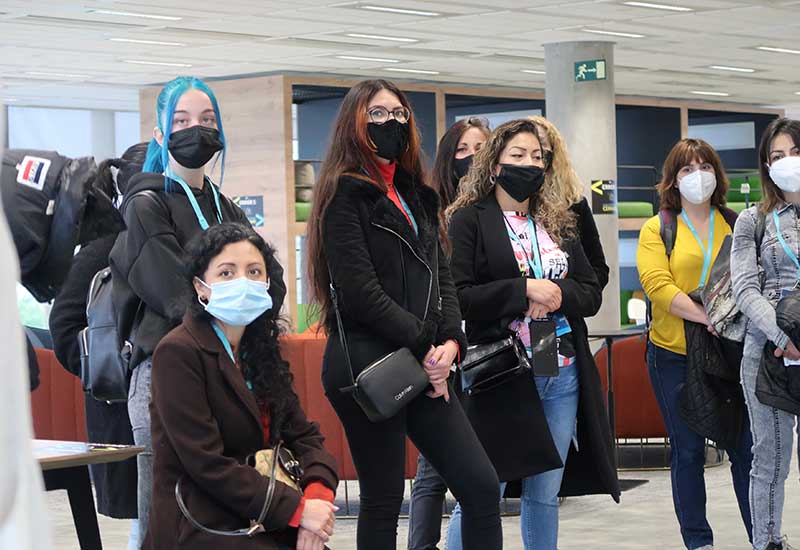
x=561, y=189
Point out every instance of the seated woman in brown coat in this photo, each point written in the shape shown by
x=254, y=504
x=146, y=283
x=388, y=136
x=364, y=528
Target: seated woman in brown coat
x=220, y=393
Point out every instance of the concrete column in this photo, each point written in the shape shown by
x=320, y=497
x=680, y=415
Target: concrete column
x=103, y=135
x=584, y=112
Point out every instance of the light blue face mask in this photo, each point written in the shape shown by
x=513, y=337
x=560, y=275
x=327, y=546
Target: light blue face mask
x=238, y=302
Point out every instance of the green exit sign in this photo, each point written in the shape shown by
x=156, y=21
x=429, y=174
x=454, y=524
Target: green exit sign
x=590, y=70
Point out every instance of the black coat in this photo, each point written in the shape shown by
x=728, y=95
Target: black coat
x=389, y=296
x=115, y=483
x=778, y=385
x=492, y=294
x=590, y=240
x=147, y=263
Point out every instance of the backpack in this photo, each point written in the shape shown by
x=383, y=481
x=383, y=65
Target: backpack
x=44, y=197
x=105, y=352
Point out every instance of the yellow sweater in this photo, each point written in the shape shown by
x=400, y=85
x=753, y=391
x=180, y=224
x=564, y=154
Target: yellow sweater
x=663, y=279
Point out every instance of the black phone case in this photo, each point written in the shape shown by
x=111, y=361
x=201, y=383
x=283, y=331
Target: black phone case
x=544, y=347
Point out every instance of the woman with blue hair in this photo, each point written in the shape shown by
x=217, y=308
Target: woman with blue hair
x=171, y=202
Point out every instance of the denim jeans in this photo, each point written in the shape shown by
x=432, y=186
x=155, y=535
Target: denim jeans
x=773, y=436
x=688, y=453
x=139, y=412
x=539, y=521
x=425, y=511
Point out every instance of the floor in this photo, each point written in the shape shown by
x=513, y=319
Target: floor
x=643, y=520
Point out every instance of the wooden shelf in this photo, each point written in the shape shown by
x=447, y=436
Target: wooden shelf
x=631, y=224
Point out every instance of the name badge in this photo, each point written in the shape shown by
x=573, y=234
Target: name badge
x=562, y=325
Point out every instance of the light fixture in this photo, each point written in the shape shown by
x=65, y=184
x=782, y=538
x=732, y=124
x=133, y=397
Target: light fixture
x=614, y=33
x=359, y=58
x=9, y=99
x=665, y=7
x=135, y=14
x=402, y=11
x=717, y=94
x=381, y=37
x=797, y=93
x=159, y=63
x=777, y=50
x=531, y=71
x=148, y=42
x=56, y=75
x=415, y=71
x=734, y=69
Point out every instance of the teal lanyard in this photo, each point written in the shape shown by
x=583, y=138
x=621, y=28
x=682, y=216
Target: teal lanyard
x=201, y=219
x=789, y=251
x=536, y=262
x=707, y=250
x=408, y=211
x=227, y=346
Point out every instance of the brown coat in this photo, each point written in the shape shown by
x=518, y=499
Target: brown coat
x=205, y=422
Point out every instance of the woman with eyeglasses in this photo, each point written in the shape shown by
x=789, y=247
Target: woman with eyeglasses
x=373, y=236
x=454, y=156
x=764, y=269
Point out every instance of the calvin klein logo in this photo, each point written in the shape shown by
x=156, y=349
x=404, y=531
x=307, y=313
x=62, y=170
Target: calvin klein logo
x=403, y=393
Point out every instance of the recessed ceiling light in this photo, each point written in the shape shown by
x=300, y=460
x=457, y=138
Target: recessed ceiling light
x=416, y=71
x=56, y=75
x=9, y=99
x=797, y=93
x=159, y=63
x=657, y=6
x=359, y=58
x=734, y=69
x=401, y=11
x=134, y=14
x=615, y=33
x=777, y=50
x=149, y=42
x=531, y=71
x=701, y=92
x=381, y=37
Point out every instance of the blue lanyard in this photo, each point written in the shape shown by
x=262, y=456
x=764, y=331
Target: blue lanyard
x=536, y=262
x=408, y=211
x=201, y=219
x=227, y=346
x=789, y=251
x=707, y=250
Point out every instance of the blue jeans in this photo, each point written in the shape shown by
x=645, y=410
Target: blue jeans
x=688, y=453
x=139, y=412
x=425, y=511
x=539, y=522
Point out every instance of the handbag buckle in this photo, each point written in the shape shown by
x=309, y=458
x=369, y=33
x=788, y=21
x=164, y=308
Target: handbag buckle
x=255, y=528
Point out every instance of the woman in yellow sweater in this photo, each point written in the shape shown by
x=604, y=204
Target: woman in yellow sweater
x=692, y=191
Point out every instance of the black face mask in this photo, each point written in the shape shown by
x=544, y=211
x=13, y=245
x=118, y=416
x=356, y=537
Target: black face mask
x=461, y=166
x=389, y=138
x=193, y=147
x=521, y=182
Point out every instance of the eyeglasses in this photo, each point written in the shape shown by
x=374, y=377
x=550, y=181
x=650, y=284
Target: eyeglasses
x=380, y=115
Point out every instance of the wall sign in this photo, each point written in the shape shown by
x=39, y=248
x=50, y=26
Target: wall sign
x=590, y=70
x=604, y=196
x=253, y=207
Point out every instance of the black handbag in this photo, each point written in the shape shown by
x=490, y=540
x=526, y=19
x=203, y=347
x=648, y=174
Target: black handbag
x=387, y=385
x=487, y=366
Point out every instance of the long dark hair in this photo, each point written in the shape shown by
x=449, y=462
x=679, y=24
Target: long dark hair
x=129, y=164
x=352, y=154
x=772, y=195
x=259, y=350
x=443, y=178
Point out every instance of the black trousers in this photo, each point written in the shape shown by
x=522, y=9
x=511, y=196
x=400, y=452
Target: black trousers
x=443, y=434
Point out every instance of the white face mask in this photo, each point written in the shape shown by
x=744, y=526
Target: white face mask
x=698, y=186
x=786, y=174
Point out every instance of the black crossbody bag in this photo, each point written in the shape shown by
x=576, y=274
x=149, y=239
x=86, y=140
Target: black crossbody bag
x=387, y=385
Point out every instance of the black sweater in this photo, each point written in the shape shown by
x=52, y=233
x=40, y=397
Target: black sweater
x=147, y=265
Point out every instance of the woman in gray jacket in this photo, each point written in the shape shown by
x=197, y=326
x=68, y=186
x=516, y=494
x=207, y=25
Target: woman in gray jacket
x=766, y=239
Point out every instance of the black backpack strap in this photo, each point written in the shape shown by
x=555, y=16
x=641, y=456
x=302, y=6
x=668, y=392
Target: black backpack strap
x=761, y=222
x=669, y=229
x=729, y=215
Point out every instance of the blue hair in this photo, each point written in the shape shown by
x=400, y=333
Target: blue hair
x=158, y=155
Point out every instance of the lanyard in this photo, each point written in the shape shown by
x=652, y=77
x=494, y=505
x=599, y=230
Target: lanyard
x=536, y=263
x=227, y=346
x=408, y=211
x=707, y=250
x=789, y=251
x=201, y=219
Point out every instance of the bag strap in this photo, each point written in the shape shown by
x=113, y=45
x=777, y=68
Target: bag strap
x=761, y=224
x=257, y=525
x=668, y=230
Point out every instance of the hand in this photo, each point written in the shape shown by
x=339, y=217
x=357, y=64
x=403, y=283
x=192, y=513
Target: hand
x=306, y=540
x=439, y=390
x=437, y=364
x=318, y=517
x=791, y=352
x=709, y=327
x=545, y=292
x=536, y=310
